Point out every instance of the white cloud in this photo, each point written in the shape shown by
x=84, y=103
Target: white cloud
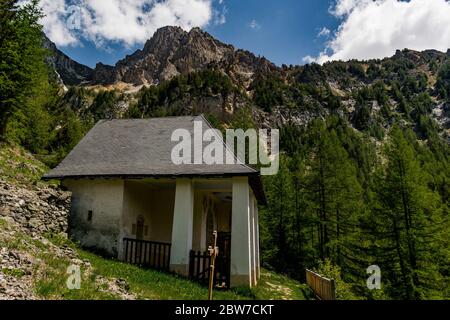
x=377, y=28
x=254, y=25
x=344, y=7
x=324, y=32
x=220, y=15
x=126, y=21
x=57, y=29
x=309, y=59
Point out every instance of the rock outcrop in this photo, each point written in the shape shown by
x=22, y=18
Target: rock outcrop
x=172, y=51
x=69, y=71
x=34, y=211
x=38, y=210
x=16, y=271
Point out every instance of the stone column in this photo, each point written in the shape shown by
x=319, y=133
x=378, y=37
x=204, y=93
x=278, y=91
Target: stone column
x=240, y=234
x=183, y=217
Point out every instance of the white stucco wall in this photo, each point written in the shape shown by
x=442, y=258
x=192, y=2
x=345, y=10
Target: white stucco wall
x=154, y=204
x=105, y=199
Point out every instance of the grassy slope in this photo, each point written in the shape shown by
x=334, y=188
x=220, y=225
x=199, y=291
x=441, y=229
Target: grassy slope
x=18, y=166
x=49, y=275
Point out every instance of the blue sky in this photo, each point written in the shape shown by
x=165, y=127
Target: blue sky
x=284, y=31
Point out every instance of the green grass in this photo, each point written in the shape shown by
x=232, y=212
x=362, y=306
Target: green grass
x=274, y=286
x=16, y=273
x=18, y=166
x=20, y=241
x=51, y=284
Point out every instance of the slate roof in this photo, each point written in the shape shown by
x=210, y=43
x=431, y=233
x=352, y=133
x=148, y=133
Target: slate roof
x=139, y=148
x=136, y=148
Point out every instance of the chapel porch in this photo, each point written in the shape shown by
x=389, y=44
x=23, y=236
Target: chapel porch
x=168, y=225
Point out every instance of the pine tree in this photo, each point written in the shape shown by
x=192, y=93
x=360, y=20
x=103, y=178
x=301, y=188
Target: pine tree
x=411, y=225
x=277, y=217
x=336, y=197
x=22, y=57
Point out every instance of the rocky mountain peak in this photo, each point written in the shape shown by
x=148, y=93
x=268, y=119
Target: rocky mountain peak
x=173, y=51
x=162, y=37
x=69, y=71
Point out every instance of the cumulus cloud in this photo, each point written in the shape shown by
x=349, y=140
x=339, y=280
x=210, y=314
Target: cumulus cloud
x=56, y=21
x=377, y=28
x=126, y=21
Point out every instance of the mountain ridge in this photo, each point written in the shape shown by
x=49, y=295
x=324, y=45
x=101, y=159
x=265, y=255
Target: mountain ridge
x=171, y=51
x=361, y=91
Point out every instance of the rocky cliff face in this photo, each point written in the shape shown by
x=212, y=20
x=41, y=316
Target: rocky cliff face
x=173, y=51
x=69, y=71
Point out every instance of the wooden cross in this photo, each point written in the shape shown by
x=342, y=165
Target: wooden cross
x=213, y=252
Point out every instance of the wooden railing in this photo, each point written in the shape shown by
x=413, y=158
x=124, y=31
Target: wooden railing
x=200, y=266
x=147, y=254
x=323, y=288
x=200, y=262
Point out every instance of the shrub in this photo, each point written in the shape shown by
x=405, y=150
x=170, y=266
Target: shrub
x=343, y=289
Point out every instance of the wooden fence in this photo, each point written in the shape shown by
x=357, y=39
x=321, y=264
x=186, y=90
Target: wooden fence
x=200, y=266
x=323, y=288
x=147, y=254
